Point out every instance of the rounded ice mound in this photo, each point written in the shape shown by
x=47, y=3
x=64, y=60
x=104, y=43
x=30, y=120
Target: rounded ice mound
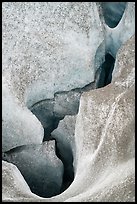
x=16, y=183
x=19, y=125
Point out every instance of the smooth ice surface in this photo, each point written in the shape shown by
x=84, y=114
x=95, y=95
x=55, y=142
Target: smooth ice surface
x=19, y=125
x=13, y=182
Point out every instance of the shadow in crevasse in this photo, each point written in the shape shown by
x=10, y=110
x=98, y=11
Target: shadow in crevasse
x=106, y=71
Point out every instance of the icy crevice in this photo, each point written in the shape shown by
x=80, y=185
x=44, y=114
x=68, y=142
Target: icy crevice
x=50, y=111
x=113, y=12
x=68, y=175
x=106, y=71
x=40, y=167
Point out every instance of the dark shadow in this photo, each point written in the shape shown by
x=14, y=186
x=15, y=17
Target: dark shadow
x=64, y=153
x=54, y=121
x=106, y=71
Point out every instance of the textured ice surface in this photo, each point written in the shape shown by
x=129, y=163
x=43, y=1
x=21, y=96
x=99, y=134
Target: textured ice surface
x=50, y=47
x=45, y=52
x=104, y=136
